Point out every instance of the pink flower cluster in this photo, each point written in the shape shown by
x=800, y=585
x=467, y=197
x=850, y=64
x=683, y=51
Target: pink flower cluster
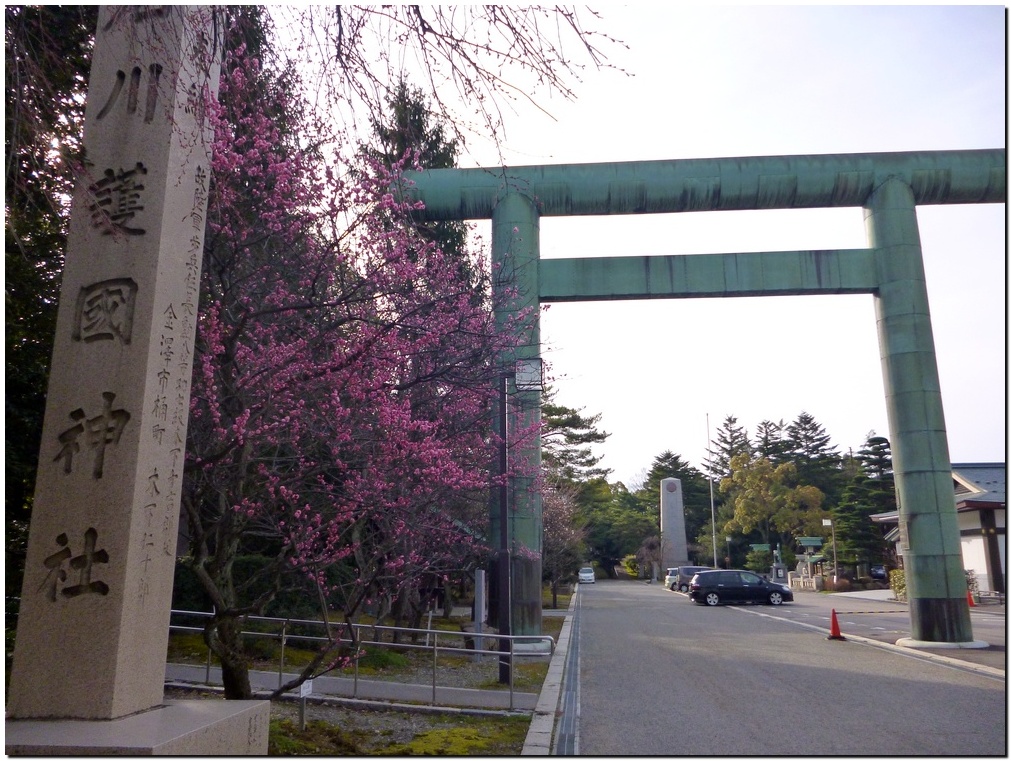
x=344, y=370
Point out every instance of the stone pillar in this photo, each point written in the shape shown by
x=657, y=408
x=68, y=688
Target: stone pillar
x=673, y=539
x=93, y=624
x=515, y=253
x=935, y=581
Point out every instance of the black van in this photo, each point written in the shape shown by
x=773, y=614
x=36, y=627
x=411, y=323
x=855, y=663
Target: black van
x=716, y=587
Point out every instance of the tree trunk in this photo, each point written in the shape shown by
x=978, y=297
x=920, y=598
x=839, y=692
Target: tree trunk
x=226, y=643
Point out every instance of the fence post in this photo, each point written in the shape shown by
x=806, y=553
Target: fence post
x=280, y=668
x=512, y=671
x=435, y=660
x=358, y=655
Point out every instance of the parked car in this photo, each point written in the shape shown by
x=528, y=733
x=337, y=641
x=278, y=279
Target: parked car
x=879, y=572
x=685, y=574
x=671, y=578
x=715, y=587
x=587, y=575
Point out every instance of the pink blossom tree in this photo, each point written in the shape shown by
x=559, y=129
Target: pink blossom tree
x=343, y=375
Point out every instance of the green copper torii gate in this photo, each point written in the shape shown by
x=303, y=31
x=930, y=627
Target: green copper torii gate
x=888, y=186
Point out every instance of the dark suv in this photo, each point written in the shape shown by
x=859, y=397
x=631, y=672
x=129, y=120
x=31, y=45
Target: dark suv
x=715, y=587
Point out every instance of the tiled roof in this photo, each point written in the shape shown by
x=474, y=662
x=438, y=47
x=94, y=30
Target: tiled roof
x=974, y=482
x=980, y=482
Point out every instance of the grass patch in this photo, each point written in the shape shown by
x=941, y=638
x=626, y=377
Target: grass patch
x=441, y=735
x=563, y=601
x=319, y=738
x=467, y=736
x=186, y=648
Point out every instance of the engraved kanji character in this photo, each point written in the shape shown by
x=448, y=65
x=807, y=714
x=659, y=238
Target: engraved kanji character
x=83, y=564
x=117, y=200
x=160, y=409
x=133, y=92
x=152, y=484
x=105, y=311
x=166, y=350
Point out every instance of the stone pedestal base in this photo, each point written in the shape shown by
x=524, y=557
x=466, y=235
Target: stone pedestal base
x=177, y=728
x=975, y=644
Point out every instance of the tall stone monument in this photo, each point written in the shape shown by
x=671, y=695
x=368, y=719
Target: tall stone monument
x=93, y=625
x=673, y=539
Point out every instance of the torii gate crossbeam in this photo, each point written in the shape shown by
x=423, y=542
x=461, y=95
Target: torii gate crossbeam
x=888, y=186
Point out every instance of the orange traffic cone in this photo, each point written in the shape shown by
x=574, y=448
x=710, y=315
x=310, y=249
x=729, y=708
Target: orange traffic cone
x=834, y=632
x=968, y=597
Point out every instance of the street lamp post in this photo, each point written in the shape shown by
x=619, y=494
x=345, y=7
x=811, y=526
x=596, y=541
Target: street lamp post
x=504, y=569
x=712, y=501
x=527, y=376
x=728, y=552
x=835, y=550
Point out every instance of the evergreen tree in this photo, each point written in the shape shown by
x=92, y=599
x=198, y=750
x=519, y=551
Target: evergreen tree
x=816, y=460
x=409, y=125
x=731, y=440
x=566, y=443
x=770, y=441
x=615, y=524
x=858, y=538
x=871, y=490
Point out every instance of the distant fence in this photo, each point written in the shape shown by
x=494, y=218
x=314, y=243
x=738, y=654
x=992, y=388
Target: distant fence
x=368, y=636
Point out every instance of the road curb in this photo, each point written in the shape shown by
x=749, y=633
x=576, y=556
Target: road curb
x=542, y=723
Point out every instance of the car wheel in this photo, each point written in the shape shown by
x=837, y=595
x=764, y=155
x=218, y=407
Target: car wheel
x=775, y=598
x=683, y=588
x=712, y=598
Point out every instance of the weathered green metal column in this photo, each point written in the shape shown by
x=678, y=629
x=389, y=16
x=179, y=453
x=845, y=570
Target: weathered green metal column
x=935, y=579
x=515, y=254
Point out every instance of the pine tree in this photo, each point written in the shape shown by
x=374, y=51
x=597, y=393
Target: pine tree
x=817, y=461
x=770, y=441
x=566, y=443
x=731, y=440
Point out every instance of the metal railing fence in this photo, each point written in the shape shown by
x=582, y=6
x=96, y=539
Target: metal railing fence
x=283, y=631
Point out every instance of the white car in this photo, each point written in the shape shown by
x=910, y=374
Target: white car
x=587, y=575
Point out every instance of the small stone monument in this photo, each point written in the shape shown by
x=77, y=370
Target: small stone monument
x=778, y=571
x=93, y=624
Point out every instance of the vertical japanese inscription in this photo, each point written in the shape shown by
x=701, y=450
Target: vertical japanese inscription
x=103, y=527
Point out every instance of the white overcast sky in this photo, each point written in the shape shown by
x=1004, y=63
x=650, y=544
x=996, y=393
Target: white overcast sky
x=750, y=80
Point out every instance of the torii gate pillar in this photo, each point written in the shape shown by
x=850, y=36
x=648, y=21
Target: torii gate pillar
x=932, y=553
x=515, y=255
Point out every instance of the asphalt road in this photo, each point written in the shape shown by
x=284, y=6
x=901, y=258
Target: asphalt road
x=660, y=676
